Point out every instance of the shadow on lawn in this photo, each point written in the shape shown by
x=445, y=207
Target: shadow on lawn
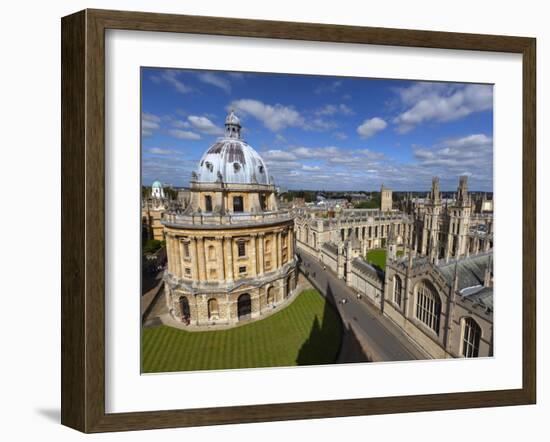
x=314, y=351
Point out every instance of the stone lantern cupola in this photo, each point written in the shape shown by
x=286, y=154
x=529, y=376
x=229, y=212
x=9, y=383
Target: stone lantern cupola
x=232, y=126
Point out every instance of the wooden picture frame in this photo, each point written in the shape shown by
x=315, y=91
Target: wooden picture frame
x=83, y=220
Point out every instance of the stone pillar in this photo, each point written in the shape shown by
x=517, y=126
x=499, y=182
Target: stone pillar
x=448, y=247
x=279, y=250
x=201, y=259
x=194, y=258
x=173, y=264
x=169, y=253
x=261, y=254
x=178, y=267
x=228, y=258
x=290, y=243
x=253, y=253
x=221, y=257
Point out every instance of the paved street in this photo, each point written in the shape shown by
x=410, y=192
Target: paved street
x=384, y=340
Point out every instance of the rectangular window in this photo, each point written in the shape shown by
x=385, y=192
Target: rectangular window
x=187, y=272
x=263, y=201
x=242, y=248
x=242, y=270
x=238, y=205
x=208, y=203
x=186, y=249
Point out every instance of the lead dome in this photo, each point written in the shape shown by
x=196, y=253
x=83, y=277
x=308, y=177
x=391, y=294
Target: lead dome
x=231, y=160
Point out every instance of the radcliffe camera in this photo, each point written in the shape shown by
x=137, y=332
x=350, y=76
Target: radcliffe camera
x=302, y=220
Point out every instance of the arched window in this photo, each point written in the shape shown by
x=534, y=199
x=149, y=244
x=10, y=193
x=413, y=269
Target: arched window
x=471, y=335
x=397, y=290
x=428, y=305
x=213, y=312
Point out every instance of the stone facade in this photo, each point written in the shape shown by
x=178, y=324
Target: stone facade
x=231, y=251
x=439, y=291
x=152, y=210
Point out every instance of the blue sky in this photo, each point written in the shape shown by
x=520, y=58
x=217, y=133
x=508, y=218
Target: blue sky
x=318, y=132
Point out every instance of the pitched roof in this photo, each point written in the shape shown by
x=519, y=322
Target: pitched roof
x=471, y=270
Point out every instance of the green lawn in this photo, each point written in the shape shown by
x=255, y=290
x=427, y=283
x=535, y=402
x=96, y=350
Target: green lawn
x=377, y=257
x=306, y=332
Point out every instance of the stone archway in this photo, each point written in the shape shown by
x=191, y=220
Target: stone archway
x=244, y=307
x=288, y=286
x=270, y=296
x=185, y=310
x=213, y=311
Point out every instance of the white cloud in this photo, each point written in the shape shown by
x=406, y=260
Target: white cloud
x=204, y=125
x=340, y=135
x=274, y=117
x=332, y=109
x=470, y=155
x=149, y=123
x=320, y=124
x=310, y=168
x=278, y=155
x=181, y=124
x=171, y=77
x=329, y=87
x=371, y=127
x=316, y=152
x=160, y=151
x=370, y=154
x=184, y=134
x=215, y=80
x=441, y=102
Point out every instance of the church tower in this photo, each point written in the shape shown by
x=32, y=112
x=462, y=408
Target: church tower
x=458, y=222
x=386, y=203
x=432, y=220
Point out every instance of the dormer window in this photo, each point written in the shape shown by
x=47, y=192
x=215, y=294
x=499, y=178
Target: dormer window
x=236, y=167
x=261, y=169
x=209, y=166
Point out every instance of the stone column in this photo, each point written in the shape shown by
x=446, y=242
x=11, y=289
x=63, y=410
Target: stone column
x=228, y=258
x=201, y=259
x=279, y=250
x=290, y=243
x=178, y=267
x=168, y=253
x=172, y=257
x=194, y=258
x=253, y=253
x=221, y=257
x=261, y=253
